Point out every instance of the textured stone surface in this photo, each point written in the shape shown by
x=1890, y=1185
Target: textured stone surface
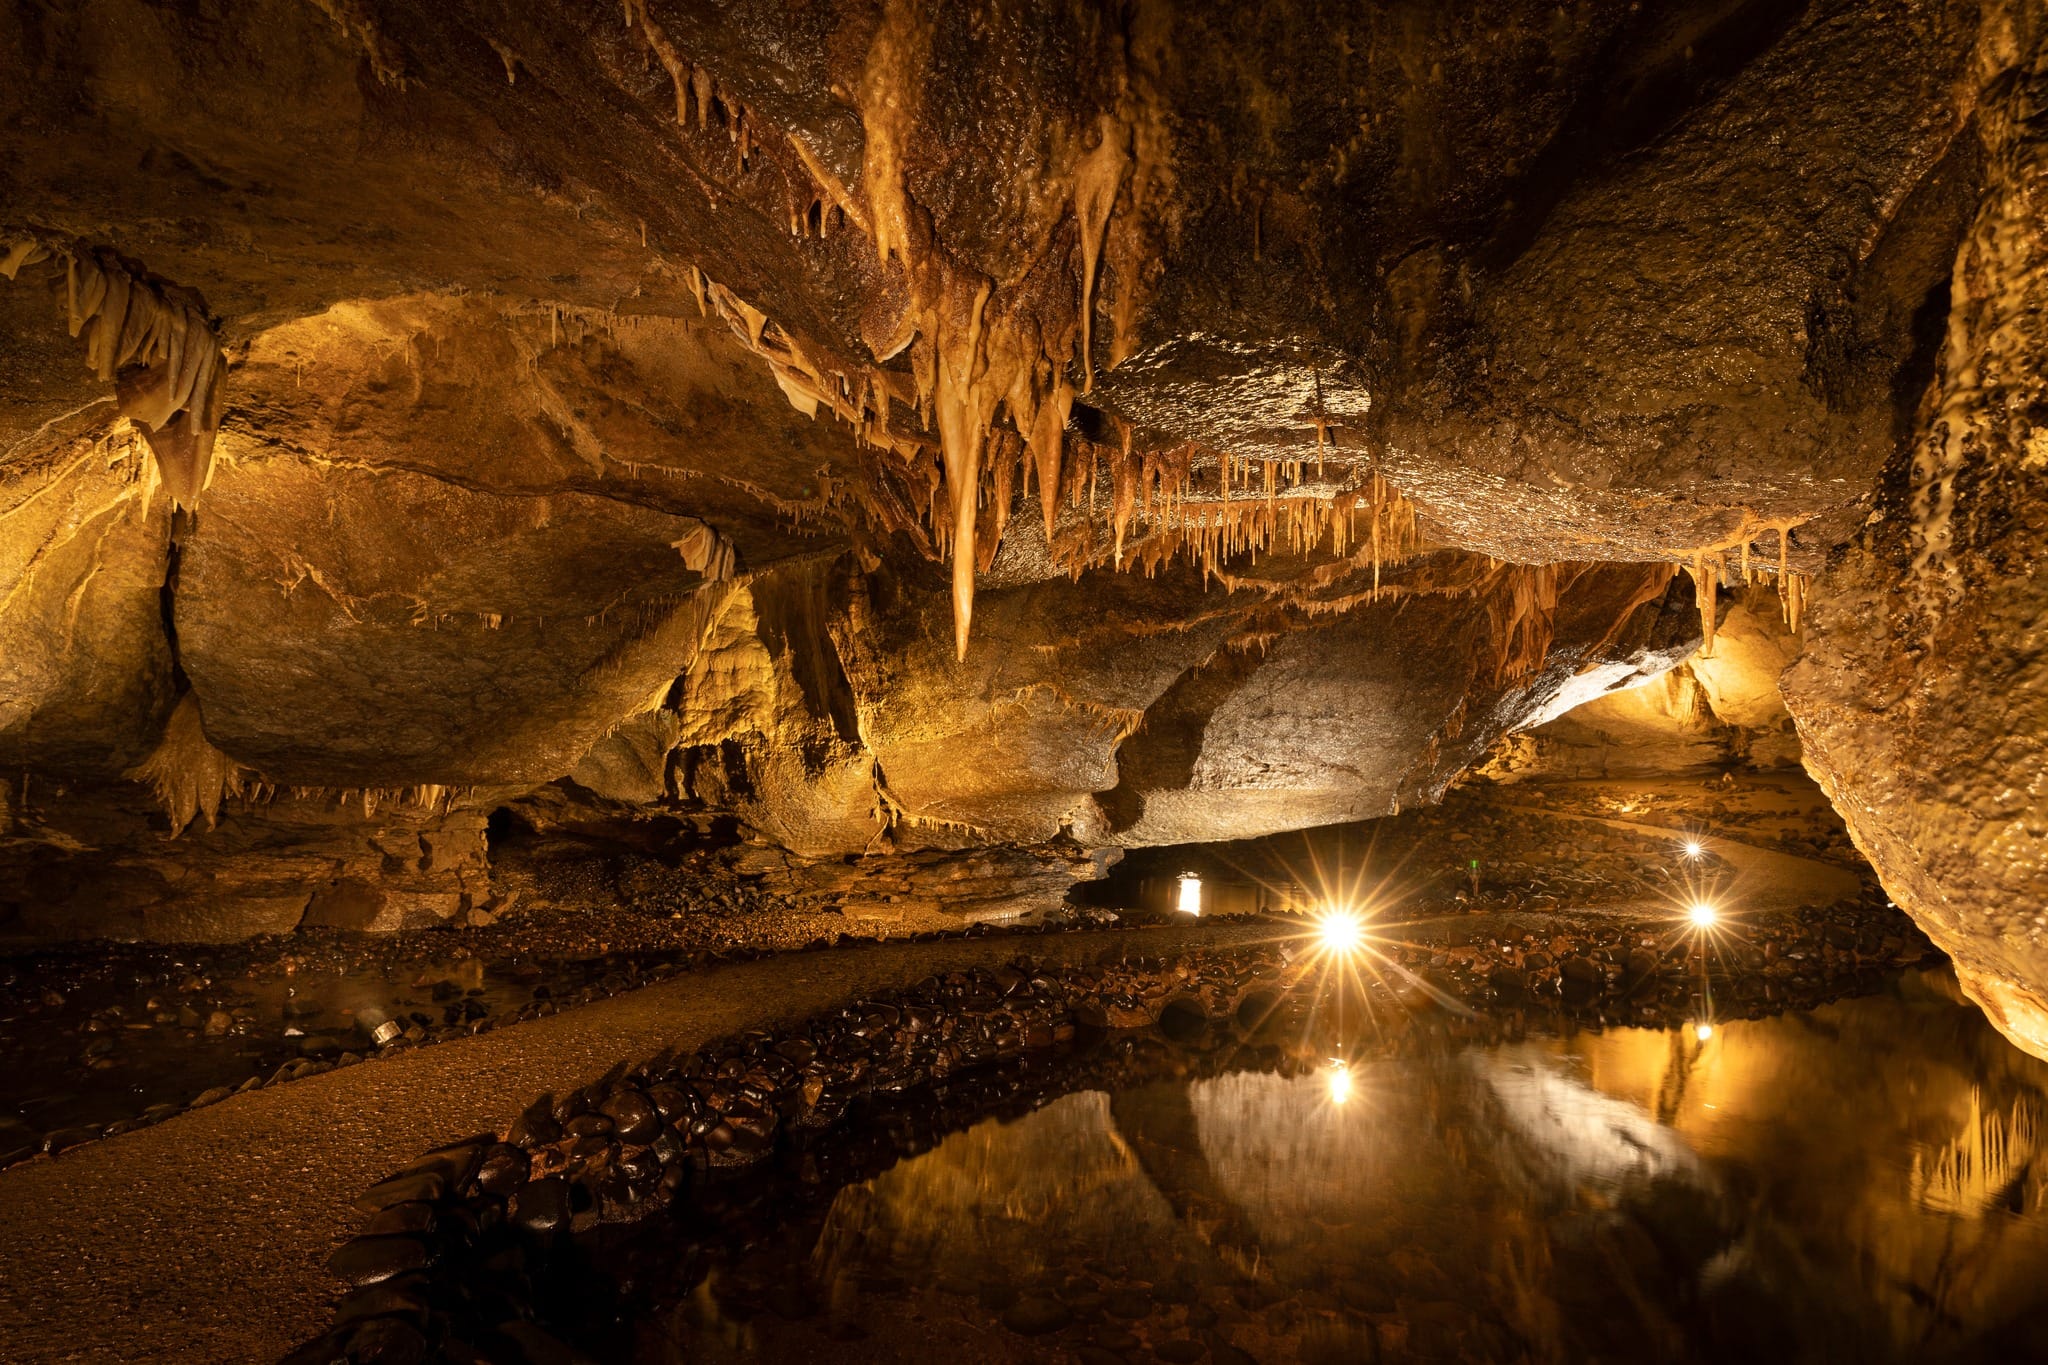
x=1716, y=708
x=85, y=669
x=910, y=426
x=1921, y=698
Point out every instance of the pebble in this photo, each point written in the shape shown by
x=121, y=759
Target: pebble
x=425, y=1186
x=541, y=1206
x=631, y=1115
x=387, y=1299
x=370, y=1259
x=1130, y=1304
x=407, y=1217
x=1034, y=1315
x=388, y=1341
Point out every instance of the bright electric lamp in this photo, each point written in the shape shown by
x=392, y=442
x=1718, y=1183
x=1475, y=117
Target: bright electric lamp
x=1340, y=1083
x=1341, y=931
x=1702, y=915
x=1190, y=894
x=1703, y=1032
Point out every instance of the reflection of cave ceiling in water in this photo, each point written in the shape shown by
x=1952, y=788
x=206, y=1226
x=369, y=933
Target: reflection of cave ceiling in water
x=1777, y=1156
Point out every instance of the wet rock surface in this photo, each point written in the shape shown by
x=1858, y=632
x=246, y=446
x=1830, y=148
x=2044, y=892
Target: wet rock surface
x=1932, y=611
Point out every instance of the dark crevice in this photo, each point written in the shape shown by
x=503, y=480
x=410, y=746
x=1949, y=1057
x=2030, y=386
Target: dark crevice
x=1915, y=374
x=502, y=826
x=167, y=602
x=1653, y=70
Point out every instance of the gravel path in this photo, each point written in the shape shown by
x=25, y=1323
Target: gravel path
x=204, y=1238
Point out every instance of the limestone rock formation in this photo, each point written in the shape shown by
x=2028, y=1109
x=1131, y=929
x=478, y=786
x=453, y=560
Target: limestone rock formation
x=1921, y=698
x=1719, y=708
x=904, y=428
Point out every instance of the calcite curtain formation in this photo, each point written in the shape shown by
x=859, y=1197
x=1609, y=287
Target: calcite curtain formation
x=152, y=339
x=831, y=412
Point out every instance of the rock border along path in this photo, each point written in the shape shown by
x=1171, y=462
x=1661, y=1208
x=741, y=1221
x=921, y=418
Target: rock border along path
x=203, y=1238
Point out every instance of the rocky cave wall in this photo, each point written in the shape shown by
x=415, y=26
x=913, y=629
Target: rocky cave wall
x=913, y=427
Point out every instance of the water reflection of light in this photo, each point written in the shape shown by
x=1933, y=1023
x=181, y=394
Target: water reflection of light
x=986, y=1197
x=1703, y=1031
x=1340, y=1082
x=1190, y=894
x=1480, y=1148
x=1694, y=848
x=1703, y=915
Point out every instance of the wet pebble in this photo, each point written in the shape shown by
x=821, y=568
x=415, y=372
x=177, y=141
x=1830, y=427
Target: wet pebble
x=370, y=1259
x=1035, y=1315
x=1129, y=1304
x=542, y=1206
x=631, y=1116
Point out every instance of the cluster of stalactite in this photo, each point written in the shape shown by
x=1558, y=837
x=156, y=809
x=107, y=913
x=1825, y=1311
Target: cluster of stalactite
x=192, y=780
x=983, y=413
x=1156, y=503
x=1710, y=568
x=974, y=356
x=151, y=339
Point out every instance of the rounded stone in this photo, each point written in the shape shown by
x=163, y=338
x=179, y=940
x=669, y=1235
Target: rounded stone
x=632, y=1116
x=588, y=1125
x=369, y=1260
x=1034, y=1315
x=542, y=1206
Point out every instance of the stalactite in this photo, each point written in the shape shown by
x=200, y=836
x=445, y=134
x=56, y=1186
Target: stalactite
x=706, y=552
x=1096, y=181
x=1521, y=616
x=153, y=340
x=1709, y=571
x=354, y=19
x=189, y=777
x=1706, y=575
x=1006, y=458
x=680, y=71
x=965, y=406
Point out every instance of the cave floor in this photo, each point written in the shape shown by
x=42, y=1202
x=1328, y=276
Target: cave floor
x=209, y=1230
x=107, y=1036
x=203, y=1238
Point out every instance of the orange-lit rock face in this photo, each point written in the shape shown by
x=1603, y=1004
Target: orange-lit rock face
x=921, y=424
x=1920, y=701
x=1720, y=706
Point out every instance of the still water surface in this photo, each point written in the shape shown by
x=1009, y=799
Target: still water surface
x=1857, y=1182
